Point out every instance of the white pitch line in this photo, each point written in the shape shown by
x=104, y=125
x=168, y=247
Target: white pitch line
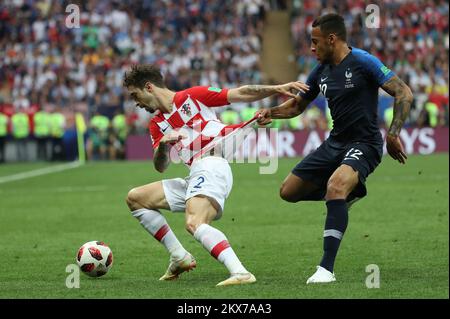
x=39, y=172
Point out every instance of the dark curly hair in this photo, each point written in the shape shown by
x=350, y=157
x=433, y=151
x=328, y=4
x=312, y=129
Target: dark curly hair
x=141, y=74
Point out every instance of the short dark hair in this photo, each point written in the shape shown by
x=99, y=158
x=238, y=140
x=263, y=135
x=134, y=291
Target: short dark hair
x=331, y=23
x=143, y=73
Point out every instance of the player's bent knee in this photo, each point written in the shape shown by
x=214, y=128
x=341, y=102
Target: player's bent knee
x=288, y=195
x=194, y=220
x=133, y=199
x=191, y=227
x=336, y=190
x=192, y=224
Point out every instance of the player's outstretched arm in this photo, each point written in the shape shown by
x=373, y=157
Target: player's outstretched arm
x=251, y=93
x=403, y=98
x=290, y=108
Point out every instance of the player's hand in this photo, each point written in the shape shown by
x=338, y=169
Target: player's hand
x=172, y=138
x=395, y=148
x=263, y=117
x=291, y=89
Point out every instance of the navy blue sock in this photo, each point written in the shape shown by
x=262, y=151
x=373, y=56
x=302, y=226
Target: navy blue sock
x=335, y=226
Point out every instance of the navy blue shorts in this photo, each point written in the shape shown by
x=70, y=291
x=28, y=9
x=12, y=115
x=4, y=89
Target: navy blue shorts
x=319, y=165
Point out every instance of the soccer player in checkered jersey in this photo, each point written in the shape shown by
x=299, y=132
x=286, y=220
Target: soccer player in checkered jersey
x=186, y=121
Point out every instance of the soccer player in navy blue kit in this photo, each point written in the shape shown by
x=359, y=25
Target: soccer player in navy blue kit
x=336, y=172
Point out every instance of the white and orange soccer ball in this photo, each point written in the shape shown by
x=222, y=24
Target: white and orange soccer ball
x=95, y=258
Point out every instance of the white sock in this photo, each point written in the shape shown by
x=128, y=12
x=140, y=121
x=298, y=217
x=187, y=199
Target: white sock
x=157, y=226
x=217, y=244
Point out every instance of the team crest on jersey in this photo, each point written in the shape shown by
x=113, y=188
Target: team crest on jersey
x=186, y=109
x=348, y=74
x=348, y=79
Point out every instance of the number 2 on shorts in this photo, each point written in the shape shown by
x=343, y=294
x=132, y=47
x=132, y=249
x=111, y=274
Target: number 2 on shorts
x=201, y=179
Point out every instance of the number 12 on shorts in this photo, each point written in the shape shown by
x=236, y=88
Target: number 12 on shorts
x=353, y=153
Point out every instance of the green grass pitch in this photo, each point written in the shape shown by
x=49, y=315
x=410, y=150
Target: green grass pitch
x=402, y=226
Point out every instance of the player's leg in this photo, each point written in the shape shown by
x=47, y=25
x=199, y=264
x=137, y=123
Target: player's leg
x=307, y=180
x=200, y=212
x=348, y=181
x=339, y=186
x=295, y=189
x=145, y=203
x=210, y=183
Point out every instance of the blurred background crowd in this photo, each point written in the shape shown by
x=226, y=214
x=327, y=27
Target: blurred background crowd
x=49, y=72
x=413, y=40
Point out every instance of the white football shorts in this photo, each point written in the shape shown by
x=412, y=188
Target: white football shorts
x=210, y=176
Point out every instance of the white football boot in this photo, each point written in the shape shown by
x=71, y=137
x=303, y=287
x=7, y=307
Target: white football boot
x=238, y=279
x=321, y=276
x=177, y=267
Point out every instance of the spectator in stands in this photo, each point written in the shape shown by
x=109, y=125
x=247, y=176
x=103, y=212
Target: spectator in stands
x=80, y=69
x=3, y=134
x=20, y=132
x=388, y=116
x=119, y=127
x=278, y=124
x=42, y=126
x=295, y=123
x=95, y=147
x=57, y=129
x=329, y=119
x=413, y=37
x=100, y=127
x=313, y=118
x=229, y=116
x=248, y=113
x=429, y=115
x=115, y=147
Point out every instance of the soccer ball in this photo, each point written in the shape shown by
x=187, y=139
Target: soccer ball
x=95, y=258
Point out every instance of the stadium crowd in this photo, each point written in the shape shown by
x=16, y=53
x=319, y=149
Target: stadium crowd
x=50, y=71
x=412, y=39
x=46, y=65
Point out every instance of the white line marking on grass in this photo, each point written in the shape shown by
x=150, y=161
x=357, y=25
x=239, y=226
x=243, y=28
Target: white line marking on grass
x=64, y=189
x=39, y=172
x=72, y=189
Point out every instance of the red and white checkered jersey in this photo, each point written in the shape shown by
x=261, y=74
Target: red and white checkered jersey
x=193, y=117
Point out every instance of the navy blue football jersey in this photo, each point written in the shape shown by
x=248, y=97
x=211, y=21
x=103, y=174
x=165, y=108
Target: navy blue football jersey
x=351, y=89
